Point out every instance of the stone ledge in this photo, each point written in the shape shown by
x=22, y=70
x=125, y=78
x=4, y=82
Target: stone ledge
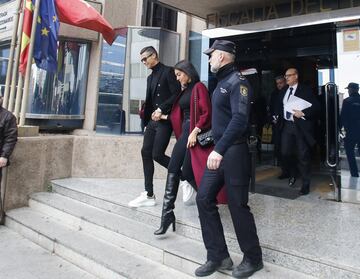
x=28, y=131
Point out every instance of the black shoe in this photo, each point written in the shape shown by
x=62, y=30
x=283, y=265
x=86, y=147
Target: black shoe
x=292, y=181
x=165, y=224
x=283, y=176
x=168, y=216
x=210, y=267
x=246, y=268
x=305, y=189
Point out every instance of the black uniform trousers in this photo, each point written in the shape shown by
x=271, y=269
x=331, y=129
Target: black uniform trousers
x=180, y=161
x=349, y=144
x=295, y=152
x=156, y=139
x=234, y=171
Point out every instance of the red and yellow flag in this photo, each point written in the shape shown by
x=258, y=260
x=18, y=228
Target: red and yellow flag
x=25, y=39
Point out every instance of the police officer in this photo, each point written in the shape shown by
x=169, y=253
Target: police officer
x=229, y=164
x=350, y=119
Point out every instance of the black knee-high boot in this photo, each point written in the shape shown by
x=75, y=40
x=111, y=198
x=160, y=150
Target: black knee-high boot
x=168, y=216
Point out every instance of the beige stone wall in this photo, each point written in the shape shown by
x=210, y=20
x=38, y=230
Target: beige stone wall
x=124, y=14
x=38, y=160
x=34, y=163
x=106, y=156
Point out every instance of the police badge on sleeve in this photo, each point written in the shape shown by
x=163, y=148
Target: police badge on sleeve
x=244, y=90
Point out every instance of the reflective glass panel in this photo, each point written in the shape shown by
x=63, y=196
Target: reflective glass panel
x=63, y=93
x=4, y=59
x=110, y=116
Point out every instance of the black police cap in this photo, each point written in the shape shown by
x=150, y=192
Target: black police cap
x=223, y=45
x=353, y=85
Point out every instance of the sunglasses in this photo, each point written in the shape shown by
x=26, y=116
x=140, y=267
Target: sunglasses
x=145, y=58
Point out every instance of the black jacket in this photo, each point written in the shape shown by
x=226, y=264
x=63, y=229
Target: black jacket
x=230, y=108
x=8, y=133
x=350, y=116
x=306, y=127
x=164, y=93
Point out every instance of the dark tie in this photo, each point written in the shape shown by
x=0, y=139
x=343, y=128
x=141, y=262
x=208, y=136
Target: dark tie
x=288, y=114
x=291, y=90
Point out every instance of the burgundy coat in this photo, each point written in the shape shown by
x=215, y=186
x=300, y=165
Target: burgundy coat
x=199, y=154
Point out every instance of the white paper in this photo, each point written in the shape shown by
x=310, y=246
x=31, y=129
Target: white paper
x=296, y=103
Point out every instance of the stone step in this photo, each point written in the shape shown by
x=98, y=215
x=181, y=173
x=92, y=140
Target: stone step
x=293, y=234
x=172, y=249
x=22, y=259
x=93, y=255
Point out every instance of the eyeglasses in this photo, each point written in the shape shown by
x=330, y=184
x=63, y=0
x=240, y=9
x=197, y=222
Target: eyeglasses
x=145, y=58
x=289, y=75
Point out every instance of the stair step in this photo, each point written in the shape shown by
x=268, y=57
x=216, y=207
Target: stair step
x=291, y=245
x=173, y=250
x=21, y=258
x=91, y=254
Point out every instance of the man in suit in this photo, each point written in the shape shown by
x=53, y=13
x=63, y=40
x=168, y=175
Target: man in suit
x=274, y=117
x=162, y=88
x=350, y=119
x=297, y=129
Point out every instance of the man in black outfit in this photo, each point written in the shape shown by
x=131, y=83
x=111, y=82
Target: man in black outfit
x=162, y=88
x=350, y=119
x=297, y=129
x=8, y=139
x=274, y=117
x=229, y=164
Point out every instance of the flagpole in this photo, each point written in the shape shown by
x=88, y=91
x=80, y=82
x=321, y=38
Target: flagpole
x=16, y=65
x=18, y=96
x=11, y=55
x=28, y=65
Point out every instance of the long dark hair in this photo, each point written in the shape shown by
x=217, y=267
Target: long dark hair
x=189, y=69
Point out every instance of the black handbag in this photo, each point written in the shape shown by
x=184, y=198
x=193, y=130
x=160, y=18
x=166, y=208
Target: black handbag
x=204, y=138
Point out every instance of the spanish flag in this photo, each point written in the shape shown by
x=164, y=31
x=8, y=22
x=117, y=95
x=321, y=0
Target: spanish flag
x=25, y=39
x=80, y=13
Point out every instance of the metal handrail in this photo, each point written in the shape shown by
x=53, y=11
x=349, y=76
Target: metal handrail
x=327, y=90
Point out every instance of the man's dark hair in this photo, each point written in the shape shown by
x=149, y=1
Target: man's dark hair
x=150, y=50
x=279, y=77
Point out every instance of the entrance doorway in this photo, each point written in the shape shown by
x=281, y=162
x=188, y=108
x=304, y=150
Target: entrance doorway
x=312, y=50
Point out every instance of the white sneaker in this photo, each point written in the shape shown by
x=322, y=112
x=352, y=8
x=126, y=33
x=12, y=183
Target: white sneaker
x=189, y=193
x=143, y=200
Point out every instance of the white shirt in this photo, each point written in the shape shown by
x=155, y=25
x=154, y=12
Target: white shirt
x=286, y=97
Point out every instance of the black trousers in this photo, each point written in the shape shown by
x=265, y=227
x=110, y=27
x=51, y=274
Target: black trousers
x=236, y=177
x=180, y=161
x=349, y=144
x=156, y=139
x=295, y=152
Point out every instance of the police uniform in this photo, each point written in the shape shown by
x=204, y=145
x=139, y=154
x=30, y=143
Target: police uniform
x=230, y=119
x=350, y=119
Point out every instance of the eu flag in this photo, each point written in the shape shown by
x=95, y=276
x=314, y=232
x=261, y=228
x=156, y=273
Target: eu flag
x=47, y=28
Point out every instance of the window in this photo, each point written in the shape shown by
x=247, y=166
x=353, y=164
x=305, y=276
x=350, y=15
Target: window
x=64, y=92
x=4, y=60
x=110, y=115
x=4, y=1
x=158, y=15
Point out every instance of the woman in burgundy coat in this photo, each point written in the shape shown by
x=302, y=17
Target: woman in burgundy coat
x=191, y=114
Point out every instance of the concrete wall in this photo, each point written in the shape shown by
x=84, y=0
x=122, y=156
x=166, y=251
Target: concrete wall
x=103, y=156
x=34, y=163
x=38, y=160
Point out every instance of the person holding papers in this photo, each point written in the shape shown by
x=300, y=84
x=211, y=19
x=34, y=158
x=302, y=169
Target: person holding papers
x=298, y=112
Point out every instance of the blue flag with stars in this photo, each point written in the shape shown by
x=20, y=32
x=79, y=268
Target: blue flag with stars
x=47, y=29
